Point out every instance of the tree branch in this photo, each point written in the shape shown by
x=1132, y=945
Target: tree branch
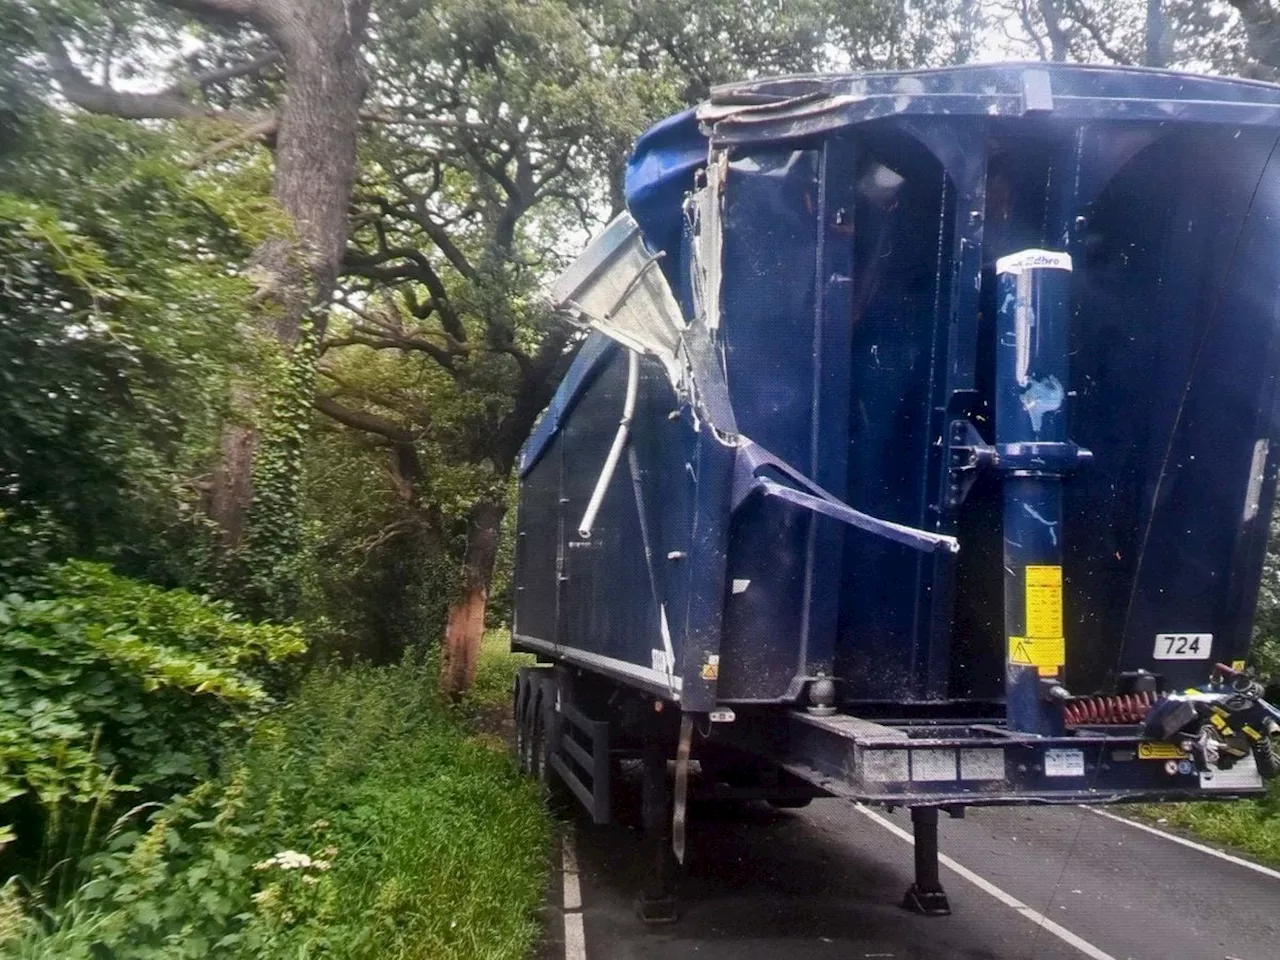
x=1081, y=16
x=223, y=74
x=275, y=18
x=240, y=9
x=440, y=237
x=1262, y=30
x=417, y=268
x=1024, y=14
x=358, y=16
x=538, y=382
x=87, y=95
x=254, y=131
x=442, y=355
x=1059, y=43
x=362, y=420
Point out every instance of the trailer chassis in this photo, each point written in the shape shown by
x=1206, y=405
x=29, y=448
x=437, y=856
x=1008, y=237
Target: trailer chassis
x=574, y=744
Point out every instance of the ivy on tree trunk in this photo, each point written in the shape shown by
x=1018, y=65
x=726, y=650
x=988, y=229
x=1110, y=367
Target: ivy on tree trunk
x=315, y=127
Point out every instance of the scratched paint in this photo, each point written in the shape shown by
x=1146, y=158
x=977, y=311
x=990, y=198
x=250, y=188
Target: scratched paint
x=1041, y=397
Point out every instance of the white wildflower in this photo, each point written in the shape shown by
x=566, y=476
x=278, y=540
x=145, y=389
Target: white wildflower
x=285, y=860
x=292, y=860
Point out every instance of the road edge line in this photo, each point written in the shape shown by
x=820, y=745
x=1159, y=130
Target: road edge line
x=1183, y=841
x=986, y=886
x=575, y=937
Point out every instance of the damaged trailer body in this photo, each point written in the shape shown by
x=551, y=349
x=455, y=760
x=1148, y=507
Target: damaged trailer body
x=922, y=449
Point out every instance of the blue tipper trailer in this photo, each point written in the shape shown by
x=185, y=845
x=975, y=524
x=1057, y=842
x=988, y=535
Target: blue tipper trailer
x=921, y=452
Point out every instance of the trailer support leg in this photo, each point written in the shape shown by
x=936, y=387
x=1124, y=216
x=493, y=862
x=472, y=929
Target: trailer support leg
x=926, y=895
x=657, y=902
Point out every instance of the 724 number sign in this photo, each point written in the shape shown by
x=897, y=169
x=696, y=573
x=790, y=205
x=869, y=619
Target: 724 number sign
x=1183, y=646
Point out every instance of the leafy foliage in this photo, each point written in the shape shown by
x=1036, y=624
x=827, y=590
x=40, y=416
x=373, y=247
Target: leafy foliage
x=110, y=686
x=1266, y=625
x=119, y=303
x=376, y=583
x=358, y=823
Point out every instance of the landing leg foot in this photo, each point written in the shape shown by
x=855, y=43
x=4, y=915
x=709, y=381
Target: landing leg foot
x=657, y=901
x=928, y=903
x=656, y=913
x=926, y=896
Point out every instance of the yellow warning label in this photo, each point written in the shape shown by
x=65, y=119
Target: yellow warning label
x=1237, y=664
x=1160, y=751
x=1038, y=651
x=1044, y=603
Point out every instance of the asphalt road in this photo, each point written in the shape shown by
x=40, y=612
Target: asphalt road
x=824, y=883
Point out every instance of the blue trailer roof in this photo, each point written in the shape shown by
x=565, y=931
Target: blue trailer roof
x=660, y=172
x=667, y=156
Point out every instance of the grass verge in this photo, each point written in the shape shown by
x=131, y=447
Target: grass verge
x=362, y=821
x=1249, y=826
x=495, y=670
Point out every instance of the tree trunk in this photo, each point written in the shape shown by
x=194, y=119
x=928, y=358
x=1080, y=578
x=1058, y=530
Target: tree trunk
x=1059, y=44
x=231, y=490
x=315, y=167
x=465, y=627
x=1155, y=35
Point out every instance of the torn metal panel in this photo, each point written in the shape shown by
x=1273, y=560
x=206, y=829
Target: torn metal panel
x=705, y=213
x=752, y=475
x=614, y=287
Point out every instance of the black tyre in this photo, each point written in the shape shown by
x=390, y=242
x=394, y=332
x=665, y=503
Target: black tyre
x=559, y=799
x=524, y=727
x=538, y=743
x=518, y=745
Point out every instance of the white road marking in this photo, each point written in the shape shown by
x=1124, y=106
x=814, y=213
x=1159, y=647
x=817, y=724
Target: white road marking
x=572, y=884
x=1238, y=861
x=575, y=938
x=1039, y=919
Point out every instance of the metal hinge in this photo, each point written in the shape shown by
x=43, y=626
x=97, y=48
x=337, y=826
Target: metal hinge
x=968, y=453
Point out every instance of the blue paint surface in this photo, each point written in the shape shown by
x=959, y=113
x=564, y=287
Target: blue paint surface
x=858, y=322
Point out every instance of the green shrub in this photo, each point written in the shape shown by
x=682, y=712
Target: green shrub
x=109, y=686
x=359, y=822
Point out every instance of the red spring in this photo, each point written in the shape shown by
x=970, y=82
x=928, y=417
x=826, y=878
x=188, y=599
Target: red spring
x=1117, y=708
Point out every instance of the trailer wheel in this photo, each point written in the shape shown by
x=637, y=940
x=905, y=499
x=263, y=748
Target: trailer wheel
x=559, y=800
x=518, y=742
x=524, y=697
x=539, y=748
